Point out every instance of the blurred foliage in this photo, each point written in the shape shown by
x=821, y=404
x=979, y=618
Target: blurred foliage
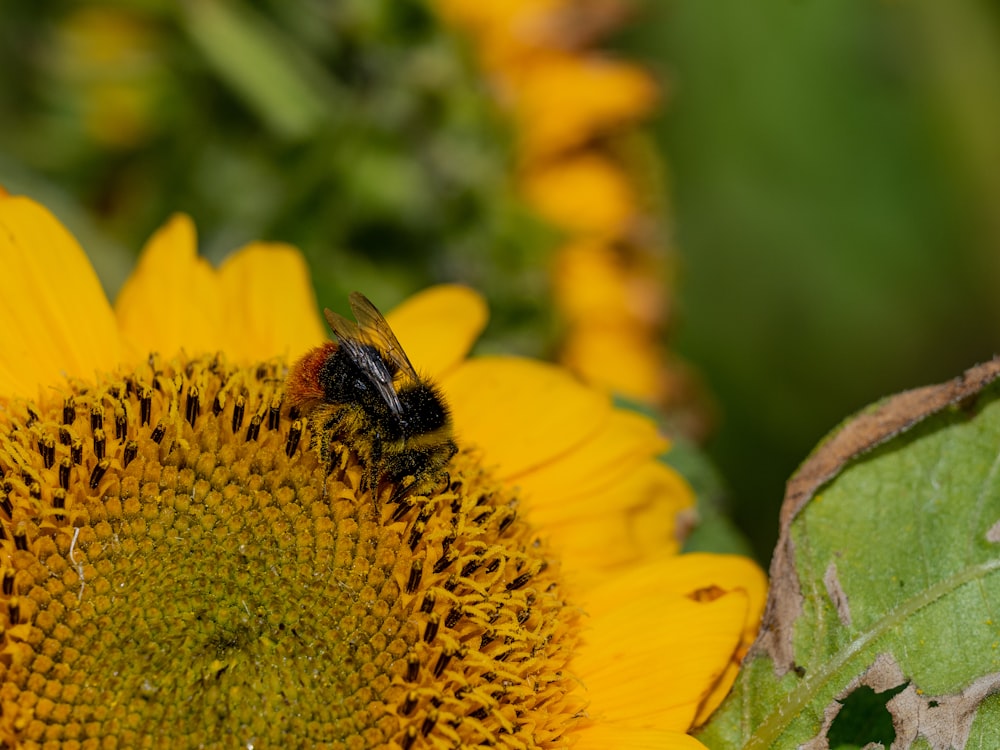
x=355, y=130
x=835, y=171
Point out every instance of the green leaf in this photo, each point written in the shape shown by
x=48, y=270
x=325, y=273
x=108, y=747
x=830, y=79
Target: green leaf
x=714, y=532
x=885, y=593
x=263, y=66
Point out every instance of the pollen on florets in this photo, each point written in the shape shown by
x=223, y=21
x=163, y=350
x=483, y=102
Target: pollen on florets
x=179, y=569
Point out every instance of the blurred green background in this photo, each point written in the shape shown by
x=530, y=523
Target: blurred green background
x=836, y=185
x=834, y=175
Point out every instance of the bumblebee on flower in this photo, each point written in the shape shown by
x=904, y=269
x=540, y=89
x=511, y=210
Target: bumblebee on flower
x=349, y=390
x=234, y=587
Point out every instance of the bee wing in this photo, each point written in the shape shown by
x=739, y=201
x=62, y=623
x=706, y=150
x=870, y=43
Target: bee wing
x=375, y=328
x=359, y=347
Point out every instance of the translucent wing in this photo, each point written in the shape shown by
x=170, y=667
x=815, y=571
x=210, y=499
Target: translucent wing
x=367, y=355
x=376, y=331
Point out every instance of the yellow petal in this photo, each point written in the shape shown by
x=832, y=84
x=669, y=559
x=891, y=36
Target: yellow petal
x=588, y=193
x=695, y=571
x=625, y=360
x=564, y=487
x=504, y=31
x=605, y=735
x=609, y=502
x=647, y=513
x=171, y=301
x=54, y=317
x=564, y=101
x=728, y=572
x=718, y=694
x=521, y=413
x=438, y=326
x=594, y=282
x=690, y=575
x=589, y=279
x=498, y=18
x=268, y=303
x=651, y=657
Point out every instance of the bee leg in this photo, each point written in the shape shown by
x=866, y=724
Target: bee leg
x=410, y=476
x=322, y=428
x=372, y=475
x=324, y=434
x=372, y=482
x=402, y=489
x=445, y=482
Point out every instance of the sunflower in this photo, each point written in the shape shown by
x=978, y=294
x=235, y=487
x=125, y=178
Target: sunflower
x=179, y=569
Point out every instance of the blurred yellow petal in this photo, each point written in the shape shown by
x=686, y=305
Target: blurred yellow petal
x=265, y=288
x=496, y=18
x=171, y=302
x=589, y=280
x=54, y=316
x=521, y=413
x=504, y=31
x=438, y=326
x=626, y=658
x=621, y=359
x=564, y=101
x=596, y=282
x=588, y=194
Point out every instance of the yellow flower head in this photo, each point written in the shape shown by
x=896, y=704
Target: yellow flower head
x=181, y=567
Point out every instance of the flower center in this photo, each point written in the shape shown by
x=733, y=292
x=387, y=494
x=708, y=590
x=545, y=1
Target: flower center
x=179, y=569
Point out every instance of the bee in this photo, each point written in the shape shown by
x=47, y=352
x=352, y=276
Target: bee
x=363, y=391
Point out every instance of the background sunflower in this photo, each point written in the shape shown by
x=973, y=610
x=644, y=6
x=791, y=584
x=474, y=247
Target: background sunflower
x=833, y=173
